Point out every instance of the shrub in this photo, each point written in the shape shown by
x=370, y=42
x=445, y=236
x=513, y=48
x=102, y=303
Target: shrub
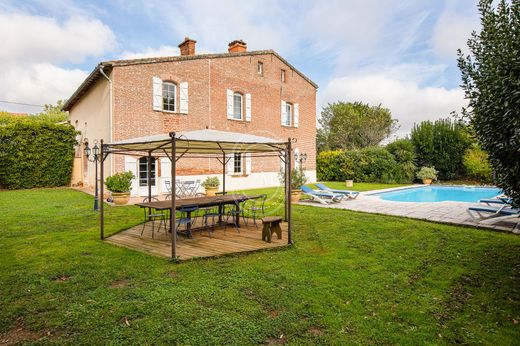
x=404, y=154
x=35, y=153
x=298, y=178
x=120, y=182
x=476, y=165
x=427, y=173
x=211, y=182
x=441, y=144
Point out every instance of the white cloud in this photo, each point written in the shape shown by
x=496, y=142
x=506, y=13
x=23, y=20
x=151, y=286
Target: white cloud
x=408, y=102
x=151, y=52
x=32, y=48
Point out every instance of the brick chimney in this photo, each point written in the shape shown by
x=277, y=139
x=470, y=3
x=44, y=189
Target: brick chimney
x=187, y=47
x=237, y=46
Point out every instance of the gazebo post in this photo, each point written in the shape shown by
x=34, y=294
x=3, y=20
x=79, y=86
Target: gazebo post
x=288, y=187
x=102, y=193
x=174, y=196
x=223, y=173
x=149, y=169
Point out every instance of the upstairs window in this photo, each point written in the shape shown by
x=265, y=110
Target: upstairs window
x=288, y=114
x=260, y=68
x=237, y=106
x=282, y=76
x=169, y=93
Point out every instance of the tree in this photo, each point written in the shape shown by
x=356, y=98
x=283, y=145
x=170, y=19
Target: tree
x=346, y=125
x=441, y=144
x=491, y=82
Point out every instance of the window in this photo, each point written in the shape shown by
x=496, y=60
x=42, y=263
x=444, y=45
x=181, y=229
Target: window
x=143, y=171
x=288, y=114
x=282, y=76
x=260, y=68
x=169, y=93
x=237, y=106
x=237, y=164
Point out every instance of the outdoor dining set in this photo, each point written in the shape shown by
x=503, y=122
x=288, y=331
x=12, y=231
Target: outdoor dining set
x=196, y=211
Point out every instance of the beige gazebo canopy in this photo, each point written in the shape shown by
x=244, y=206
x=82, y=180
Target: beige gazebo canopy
x=201, y=144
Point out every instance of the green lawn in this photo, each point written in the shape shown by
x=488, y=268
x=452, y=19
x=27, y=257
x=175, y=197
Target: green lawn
x=349, y=278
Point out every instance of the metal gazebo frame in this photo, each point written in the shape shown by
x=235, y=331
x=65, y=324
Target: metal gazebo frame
x=200, y=144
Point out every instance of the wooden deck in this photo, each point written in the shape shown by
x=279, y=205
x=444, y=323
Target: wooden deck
x=201, y=245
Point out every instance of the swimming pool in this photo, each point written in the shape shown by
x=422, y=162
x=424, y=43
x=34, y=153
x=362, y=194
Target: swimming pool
x=440, y=194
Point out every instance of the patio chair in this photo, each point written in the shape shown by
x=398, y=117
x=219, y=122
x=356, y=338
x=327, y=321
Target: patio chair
x=152, y=217
x=322, y=196
x=216, y=211
x=187, y=218
x=347, y=193
x=500, y=200
x=168, y=195
x=490, y=215
x=235, y=212
x=258, y=207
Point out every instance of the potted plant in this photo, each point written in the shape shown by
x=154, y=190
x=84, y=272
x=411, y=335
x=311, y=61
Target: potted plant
x=298, y=178
x=427, y=175
x=211, y=185
x=120, y=185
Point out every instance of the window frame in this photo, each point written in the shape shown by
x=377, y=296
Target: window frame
x=289, y=111
x=283, y=76
x=175, y=98
x=260, y=68
x=235, y=94
x=240, y=164
x=145, y=171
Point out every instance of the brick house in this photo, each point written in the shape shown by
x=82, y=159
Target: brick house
x=255, y=92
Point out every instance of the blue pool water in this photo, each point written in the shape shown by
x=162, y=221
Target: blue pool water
x=440, y=194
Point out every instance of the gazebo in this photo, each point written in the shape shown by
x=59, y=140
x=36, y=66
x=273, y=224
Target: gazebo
x=200, y=144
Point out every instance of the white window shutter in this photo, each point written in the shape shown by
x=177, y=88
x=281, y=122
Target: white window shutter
x=296, y=157
x=248, y=107
x=229, y=104
x=248, y=163
x=296, y=115
x=157, y=94
x=283, y=111
x=131, y=166
x=183, y=93
x=231, y=164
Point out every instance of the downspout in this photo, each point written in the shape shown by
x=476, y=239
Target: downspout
x=109, y=111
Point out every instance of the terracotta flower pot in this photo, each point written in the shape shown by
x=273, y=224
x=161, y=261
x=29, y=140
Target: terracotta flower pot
x=295, y=196
x=426, y=181
x=121, y=198
x=211, y=191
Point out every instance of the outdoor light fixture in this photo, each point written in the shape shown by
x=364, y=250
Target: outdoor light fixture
x=95, y=158
x=300, y=158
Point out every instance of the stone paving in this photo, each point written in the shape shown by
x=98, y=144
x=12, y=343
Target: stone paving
x=445, y=212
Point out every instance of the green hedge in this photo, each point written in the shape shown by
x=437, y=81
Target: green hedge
x=35, y=154
x=373, y=164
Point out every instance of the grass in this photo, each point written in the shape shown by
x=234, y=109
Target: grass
x=350, y=278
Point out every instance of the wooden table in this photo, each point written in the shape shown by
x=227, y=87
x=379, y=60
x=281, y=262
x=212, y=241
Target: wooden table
x=202, y=202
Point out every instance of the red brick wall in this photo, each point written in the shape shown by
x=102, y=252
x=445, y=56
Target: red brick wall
x=133, y=115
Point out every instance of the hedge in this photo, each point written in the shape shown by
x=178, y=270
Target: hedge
x=372, y=164
x=36, y=154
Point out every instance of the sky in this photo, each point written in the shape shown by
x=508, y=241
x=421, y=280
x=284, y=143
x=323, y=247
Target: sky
x=398, y=53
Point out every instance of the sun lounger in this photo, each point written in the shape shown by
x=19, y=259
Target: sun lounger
x=497, y=200
x=324, y=197
x=348, y=193
x=490, y=215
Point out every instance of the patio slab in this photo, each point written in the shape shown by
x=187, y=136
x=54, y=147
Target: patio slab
x=444, y=212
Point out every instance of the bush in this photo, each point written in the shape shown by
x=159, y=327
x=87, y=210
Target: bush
x=476, y=165
x=298, y=178
x=404, y=154
x=427, y=173
x=441, y=144
x=35, y=153
x=373, y=164
x=120, y=182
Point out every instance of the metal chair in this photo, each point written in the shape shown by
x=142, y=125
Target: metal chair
x=187, y=218
x=149, y=217
x=235, y=212
x=255, y=209
x=216, y=211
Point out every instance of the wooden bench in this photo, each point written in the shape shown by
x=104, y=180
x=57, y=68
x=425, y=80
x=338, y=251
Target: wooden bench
x=271, y=225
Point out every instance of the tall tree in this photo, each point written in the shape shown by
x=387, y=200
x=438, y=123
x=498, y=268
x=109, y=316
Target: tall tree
x=491, y=81
x=346, y=125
